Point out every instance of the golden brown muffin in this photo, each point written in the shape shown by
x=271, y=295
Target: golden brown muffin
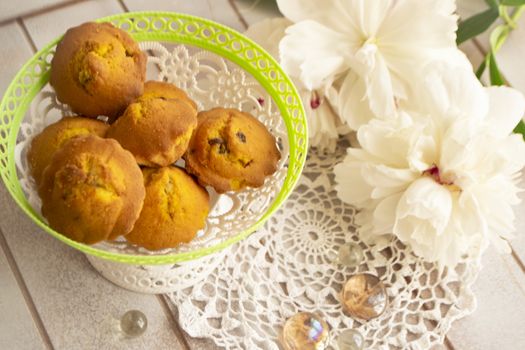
x=92, y=190
x=45, y=144
x=231, y=150
x=156, y=130
x=98, y=70
x=174, y=210
x=160, y=89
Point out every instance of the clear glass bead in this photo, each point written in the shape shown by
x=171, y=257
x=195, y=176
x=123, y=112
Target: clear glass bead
x=305, y=331
x=364, y=296
x=350, y=254
x=350, y=340
x=133, y=323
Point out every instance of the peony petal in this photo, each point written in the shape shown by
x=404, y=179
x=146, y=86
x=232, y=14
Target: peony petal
x=351, y=186
x=314, y=53
x=507, y=108
x=413, y=26
x=332, y=13
x=390, y=141
x=385, y=214
x=415, y=33
x=376, y=75
x=380, y=175
x=322, y=121
x=425, y=201
x=353, y=108
x=451, y=91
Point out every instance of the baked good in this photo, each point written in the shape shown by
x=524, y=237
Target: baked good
x=156, y=130
x=175, y=209
x=92, y=190
x=97, y=70
x=45, y=144
x=231, y=150
x=160, y=89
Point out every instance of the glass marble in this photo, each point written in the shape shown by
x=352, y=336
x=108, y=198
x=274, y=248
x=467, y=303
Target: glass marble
x=364, y=296
x=350, y=340
x=350, y=254
x=305, y=331
x=133, y=323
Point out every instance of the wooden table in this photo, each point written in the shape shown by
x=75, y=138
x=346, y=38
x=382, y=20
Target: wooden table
x=51, y=298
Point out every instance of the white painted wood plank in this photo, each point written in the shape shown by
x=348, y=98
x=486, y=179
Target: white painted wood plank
x=499, y=321
x=518, y=243
x=15, y=52
x=254, y=11
x=217, y=10
x=78, y=307
x=11, y=9
x=46, y=27
x=512, y=55
x=17, y=329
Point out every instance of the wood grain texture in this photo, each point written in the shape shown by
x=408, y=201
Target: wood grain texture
x=12, y=9
x=254, y=11
x=518, y=243
x=499, y=320
x=217, y=10
x=46, y=27
x=511, y=57
x=17, y=329
x=15, y=50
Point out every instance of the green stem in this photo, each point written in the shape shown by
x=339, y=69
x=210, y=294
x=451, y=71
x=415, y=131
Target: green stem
x=517, y=13
x=505, y=15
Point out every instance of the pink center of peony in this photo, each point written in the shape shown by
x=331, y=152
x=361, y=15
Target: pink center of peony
x=315, y=101
x=436, y=175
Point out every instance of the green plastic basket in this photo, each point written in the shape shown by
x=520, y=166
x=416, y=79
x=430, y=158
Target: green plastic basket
x=165, y=27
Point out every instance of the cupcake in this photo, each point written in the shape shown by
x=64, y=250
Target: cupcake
x=231, y=150
x=155, y=130
x=45, y=144
x=92, y=190
x=97, y=70
x=175, y=209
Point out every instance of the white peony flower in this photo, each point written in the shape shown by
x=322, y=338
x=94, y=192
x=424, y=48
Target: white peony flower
x=323, y=122
x=442, y=181
x=377, y=46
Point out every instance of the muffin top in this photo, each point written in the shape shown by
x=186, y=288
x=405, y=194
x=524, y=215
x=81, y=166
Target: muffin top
x=159, y=89
x=92, y=190
x=155, y=130
x=45, y=144
x=98, y=70
x=175, y=209
x=231, y=150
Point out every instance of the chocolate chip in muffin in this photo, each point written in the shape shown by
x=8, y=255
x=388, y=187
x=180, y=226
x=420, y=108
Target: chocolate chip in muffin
x=241, y=136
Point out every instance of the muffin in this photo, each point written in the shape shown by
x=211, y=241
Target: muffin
x=45, y=144
x=156, y=130
x=231, y=150
x=92, y=190
x=98, y=70
x=159, y=89
x=175, y=208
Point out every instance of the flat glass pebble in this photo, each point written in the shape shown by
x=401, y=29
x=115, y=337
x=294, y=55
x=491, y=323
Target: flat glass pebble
x=364, y=296
x=133, y=323
x=350, y=340
x=350, y=254
x=305, y=331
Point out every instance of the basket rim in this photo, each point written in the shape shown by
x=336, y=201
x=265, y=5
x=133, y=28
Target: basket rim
x=290, y=181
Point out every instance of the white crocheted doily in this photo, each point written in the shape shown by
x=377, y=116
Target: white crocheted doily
x=287, y=267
